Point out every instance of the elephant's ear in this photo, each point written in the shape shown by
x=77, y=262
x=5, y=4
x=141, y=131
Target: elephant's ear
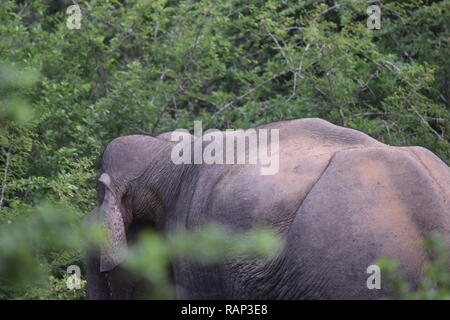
x=113, y=251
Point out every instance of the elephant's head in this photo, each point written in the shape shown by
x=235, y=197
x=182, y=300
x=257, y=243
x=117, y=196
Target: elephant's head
x=136, y=182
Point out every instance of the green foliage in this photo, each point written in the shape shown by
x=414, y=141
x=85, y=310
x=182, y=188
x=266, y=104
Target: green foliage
x=152, y=66
x=34, y=242
x=435, y=282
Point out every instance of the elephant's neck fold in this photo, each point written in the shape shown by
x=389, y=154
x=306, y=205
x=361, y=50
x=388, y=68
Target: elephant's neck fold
x=167, y=177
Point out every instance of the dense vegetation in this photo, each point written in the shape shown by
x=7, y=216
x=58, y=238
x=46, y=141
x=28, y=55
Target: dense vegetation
x=151, y=66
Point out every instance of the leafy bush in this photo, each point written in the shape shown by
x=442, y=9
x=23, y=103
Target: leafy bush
x=35, y=248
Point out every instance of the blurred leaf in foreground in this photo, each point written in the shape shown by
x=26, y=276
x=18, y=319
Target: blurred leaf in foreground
x=435, y=281
x=34, y=245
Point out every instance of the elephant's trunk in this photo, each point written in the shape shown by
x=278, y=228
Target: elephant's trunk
x=112, y=252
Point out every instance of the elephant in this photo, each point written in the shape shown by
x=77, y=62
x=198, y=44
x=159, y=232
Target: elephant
x=339, y=200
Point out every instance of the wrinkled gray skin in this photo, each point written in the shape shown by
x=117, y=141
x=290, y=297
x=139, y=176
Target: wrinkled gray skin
x=340, y=200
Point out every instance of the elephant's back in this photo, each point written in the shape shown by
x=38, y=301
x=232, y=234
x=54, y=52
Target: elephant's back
x=320, y=132
x=241, y=193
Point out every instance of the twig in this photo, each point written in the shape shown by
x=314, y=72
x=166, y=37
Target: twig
x=229, y=104
x=294, y=28
x=161, y=78
x=387, y=128
x=23, y=8
x=5, y=177
x=297, y=74
x=207, y=101
x=320, y=91
x=280, y=48
x=341, y=114
x=397, y=69
x=426, y=123
x=163, y=110
x=336, y=6
x=396, y=13
x=386, y=64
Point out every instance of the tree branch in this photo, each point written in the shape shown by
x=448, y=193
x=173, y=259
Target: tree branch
x=336, y=6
